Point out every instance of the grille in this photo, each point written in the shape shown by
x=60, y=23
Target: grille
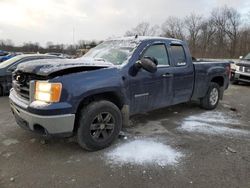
x=21, y=83
x=245, y=77
x=241, y=68
x=244, y=69
x=247, y=69
x=22, y=89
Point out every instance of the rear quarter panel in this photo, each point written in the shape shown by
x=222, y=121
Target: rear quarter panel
x=204, y=73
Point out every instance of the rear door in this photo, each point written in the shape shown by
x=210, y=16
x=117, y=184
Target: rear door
x=149, y=91
x=183, y=74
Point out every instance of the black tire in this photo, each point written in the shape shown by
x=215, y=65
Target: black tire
x=210, y=101
x=90, y=133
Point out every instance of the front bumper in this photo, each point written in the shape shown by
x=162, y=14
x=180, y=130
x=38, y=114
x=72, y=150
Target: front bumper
x=240, y=76
x=43, y=124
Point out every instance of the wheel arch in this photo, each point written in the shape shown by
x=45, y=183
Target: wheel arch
x=219, y=80
x=112, y=96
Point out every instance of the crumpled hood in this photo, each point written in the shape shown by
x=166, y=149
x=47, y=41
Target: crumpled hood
x=48, y=66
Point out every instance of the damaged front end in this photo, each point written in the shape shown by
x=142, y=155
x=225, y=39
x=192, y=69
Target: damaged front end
x=39, y=93
x=23, y=79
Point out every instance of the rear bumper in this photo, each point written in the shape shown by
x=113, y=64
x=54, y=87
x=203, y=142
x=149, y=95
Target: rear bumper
x=45, y=125
x=240, y=76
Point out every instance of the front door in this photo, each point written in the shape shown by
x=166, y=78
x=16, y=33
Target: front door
x=149, y=91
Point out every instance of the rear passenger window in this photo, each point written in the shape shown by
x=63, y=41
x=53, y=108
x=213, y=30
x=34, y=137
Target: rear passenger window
x=159, y=52
x=178, y=54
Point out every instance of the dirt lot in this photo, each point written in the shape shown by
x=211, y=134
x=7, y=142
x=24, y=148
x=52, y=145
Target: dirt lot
x=181, y=146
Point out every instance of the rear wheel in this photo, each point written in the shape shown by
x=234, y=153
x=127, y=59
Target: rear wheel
x=211, y=99
x=99, y=125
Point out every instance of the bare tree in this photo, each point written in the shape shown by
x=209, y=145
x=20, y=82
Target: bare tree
x=227, y=21
x=193, y=25
x=82, y=44
x=232, y=28
x=206, y=37
x=219, y=18
x=244, y=41
x=143, y=29
x=173, y=27
x=49, y=45
x=31, y=47
x=6, y=44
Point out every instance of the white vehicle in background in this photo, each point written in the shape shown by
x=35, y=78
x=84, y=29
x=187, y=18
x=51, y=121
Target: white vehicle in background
x=241, y=70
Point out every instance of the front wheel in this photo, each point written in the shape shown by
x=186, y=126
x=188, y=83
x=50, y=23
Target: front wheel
x=211, y=99
x=99, y=125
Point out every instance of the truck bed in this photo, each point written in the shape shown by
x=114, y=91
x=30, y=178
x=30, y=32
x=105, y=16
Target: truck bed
x=203, y=70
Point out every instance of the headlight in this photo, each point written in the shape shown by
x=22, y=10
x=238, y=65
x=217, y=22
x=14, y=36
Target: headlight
x=48, y=92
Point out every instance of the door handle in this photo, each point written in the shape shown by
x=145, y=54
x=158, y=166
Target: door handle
x=167, y=75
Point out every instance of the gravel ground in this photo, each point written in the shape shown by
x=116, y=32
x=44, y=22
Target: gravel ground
x=180, y=146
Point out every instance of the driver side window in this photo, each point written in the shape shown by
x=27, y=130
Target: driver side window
x=159, y=52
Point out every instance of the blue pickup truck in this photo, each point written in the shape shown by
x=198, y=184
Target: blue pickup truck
x=93, y=97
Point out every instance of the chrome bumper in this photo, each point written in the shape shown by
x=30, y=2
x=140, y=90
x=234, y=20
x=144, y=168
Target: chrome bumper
x=46, y=125
x=241, y=76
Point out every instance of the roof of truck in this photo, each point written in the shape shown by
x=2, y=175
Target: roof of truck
x=143, y=38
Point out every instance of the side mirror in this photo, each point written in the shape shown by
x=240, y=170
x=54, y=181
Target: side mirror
x=148, y=63
x=241, y=57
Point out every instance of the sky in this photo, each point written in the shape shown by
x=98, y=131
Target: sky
x=67, y=21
